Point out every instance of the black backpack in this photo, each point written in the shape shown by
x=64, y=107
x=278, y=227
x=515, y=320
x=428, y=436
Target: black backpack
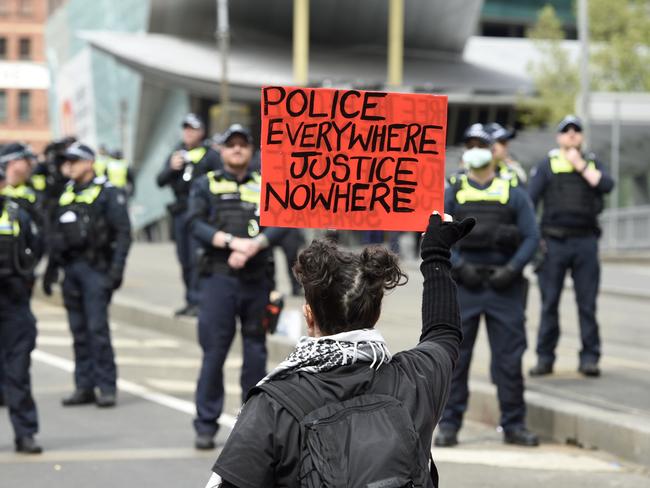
x=367, y=441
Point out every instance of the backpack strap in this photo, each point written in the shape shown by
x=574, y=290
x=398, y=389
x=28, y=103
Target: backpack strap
x=296, y=400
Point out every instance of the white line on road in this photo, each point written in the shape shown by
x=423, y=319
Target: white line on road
x=118, y=342
x=135, y=389
x=538, y=459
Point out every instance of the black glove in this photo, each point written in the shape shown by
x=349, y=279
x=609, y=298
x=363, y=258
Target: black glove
x=115, y=278
x=467, y=275
x=50, y=277
x=441, y=236
x=502, y=277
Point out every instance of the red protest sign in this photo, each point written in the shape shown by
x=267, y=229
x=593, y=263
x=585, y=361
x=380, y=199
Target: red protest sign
x=350, y=159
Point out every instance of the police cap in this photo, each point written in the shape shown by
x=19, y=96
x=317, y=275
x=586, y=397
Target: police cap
x=570, y=121
x=79, y=152
x=236, y=129
x=478, y=131
x=192, y=121
x=15, y=150
x=499, y=133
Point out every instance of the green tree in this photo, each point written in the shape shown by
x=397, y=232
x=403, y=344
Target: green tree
x=555, y=77
x=620, y=35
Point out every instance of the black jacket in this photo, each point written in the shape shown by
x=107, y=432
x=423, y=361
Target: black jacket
x=264, y=447
x=211, y=161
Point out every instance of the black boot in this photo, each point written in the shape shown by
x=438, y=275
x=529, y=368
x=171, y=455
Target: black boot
x=541, y=369
x=106, y=399
x=520, y=437
x=27, y=445
x=446, y=437
x=589, y=369
x=79, y=397
x=204, y=442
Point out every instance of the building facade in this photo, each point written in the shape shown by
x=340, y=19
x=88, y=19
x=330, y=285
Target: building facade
x=24, y=80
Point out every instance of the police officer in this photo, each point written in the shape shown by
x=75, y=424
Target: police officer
x=20, y=246
x=571, y=185
x=192, y=158
x=92, y=235
x=488, y=266
x=236, y=271
x=116, y=169
x=506, y=167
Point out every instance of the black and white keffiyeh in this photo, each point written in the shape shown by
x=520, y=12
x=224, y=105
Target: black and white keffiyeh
x=316, y=355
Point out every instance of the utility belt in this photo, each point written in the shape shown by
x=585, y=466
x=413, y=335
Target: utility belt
x=258, y=268
x=177, y=207
x=566, y=232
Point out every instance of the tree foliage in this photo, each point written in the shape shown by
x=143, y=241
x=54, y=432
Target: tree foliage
x=619, y=57
x=555, y=77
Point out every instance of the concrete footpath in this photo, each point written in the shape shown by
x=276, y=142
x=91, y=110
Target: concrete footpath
x=611, y=413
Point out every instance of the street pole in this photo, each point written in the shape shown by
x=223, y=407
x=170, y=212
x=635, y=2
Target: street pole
x=301, y=42
x=223, y=42
x=395, y=43
x=583, y=37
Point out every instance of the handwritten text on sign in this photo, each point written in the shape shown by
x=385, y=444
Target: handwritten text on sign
x=349, y=159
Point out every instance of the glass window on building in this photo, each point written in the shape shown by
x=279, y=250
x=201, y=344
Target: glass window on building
x=3, y=47
x=3, y=105
x=24, y=106
x=25, y=48
x=25, y=7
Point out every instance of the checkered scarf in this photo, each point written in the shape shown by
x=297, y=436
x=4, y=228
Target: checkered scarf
x=316, y=355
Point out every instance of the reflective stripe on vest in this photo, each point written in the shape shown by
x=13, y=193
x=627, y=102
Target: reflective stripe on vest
x=22, y=192
x=248, y=192
x=115, y=170
x=195, y=155
x=559, y=164
x=498, y=191
x=39, y=182
x=88, y=195
x=508, y=174
x=8, y=226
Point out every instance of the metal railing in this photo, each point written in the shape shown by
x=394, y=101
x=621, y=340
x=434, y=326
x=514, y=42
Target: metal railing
x=626, y=229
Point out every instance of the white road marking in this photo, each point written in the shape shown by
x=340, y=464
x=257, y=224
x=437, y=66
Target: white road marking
x=143, y=392
x=525, y=458
x=104, y=455
x=118, y=342
x=158, y=362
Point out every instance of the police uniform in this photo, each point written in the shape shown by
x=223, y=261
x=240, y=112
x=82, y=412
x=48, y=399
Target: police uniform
x=116, y=170
x=199, y=161
x=488, y=265
x=570, y=230
x=220, y=202
x=20, y=245
x=92, y=235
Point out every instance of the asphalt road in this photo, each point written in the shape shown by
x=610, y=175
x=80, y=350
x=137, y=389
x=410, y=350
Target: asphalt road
x=147, y=440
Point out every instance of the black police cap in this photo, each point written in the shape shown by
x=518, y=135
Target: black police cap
x=192, y=121
x=78, y=152
x=570, y=121
x=15, y=150
x=236, y=129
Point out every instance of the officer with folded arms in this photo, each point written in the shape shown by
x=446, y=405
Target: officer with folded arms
x=570, y=185
x=192, y=158
x=91, y=240
x=20, y=248
x=488, y=267
x=236, y=275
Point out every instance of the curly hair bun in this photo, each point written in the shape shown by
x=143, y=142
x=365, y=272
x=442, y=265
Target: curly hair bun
x=381, y=266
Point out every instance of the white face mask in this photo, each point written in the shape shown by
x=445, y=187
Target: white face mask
x=477, y=157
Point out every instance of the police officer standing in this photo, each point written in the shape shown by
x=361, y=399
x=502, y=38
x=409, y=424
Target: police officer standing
x=236, y=275
x=192, y=158
x=571, y=185
x=91, y=239
x=20, y=246
x=116, y=169
x=488, y=266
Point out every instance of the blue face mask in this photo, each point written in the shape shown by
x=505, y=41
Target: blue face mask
x=477, y=157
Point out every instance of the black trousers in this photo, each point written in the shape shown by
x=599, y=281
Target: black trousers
x=18, y=339
x=86, y=296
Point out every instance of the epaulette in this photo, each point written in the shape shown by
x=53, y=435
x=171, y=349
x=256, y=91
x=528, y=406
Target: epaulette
x=553, y=153
x=101, y=180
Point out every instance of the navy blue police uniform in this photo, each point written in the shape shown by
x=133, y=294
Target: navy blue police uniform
x=219, y=202
x=488, y=266
x=199, y=161
x=20, y=247
x=569, y=227
x=91, y=242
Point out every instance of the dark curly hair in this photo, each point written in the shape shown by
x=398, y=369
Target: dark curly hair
x=344, y=289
